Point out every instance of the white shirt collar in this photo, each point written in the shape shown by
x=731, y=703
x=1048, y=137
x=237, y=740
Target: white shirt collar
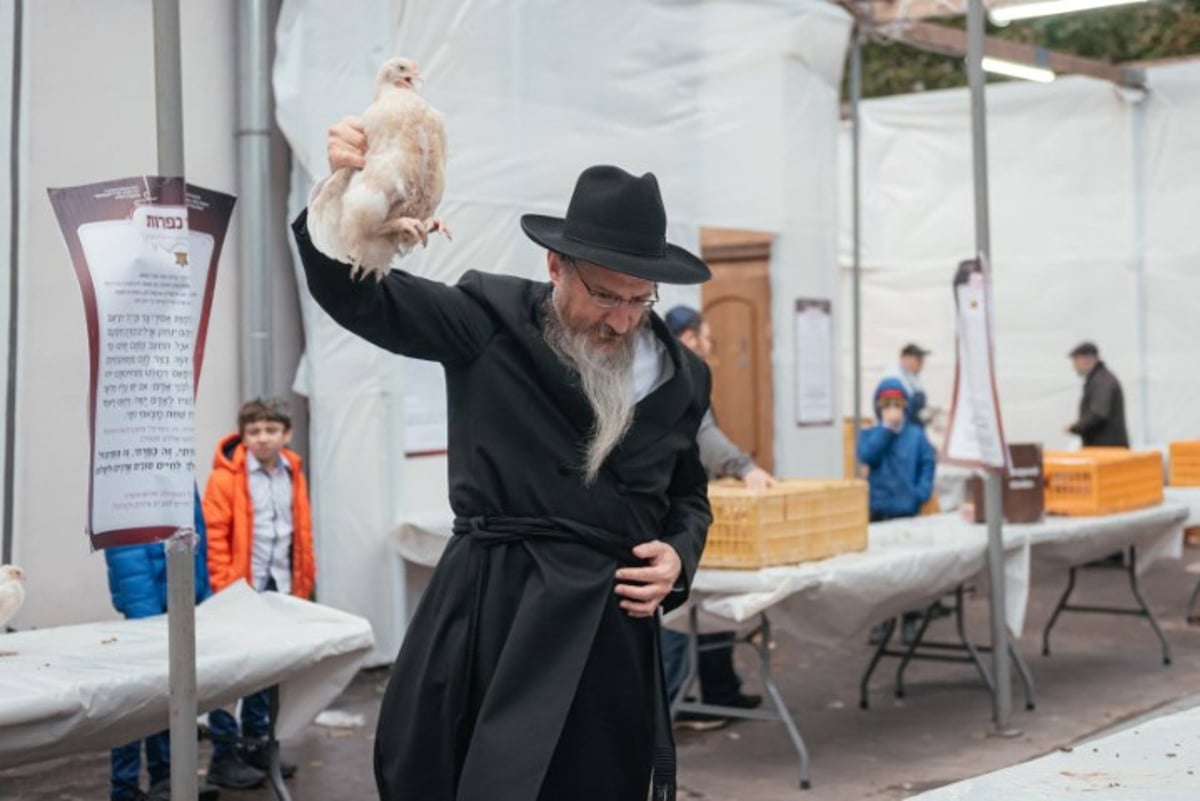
x=253, y=465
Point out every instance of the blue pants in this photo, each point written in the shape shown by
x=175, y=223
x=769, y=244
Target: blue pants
x=256, y=715
x=127, y=765
x=256, y=711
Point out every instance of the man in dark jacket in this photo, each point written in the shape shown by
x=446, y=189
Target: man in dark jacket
x=720, y=684
x=1101, y=420
x=530, y=670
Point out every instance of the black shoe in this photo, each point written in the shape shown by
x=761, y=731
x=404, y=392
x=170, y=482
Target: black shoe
x=254, y=753
x=908, y=630
x=879, y=633
x=739, y=701
x=234, y=774
x=161, y=791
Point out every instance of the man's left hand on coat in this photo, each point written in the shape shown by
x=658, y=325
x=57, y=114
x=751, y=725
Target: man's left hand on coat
x=643, y=588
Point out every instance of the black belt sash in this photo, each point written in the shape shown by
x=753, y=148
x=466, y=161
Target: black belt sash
x=574, y=644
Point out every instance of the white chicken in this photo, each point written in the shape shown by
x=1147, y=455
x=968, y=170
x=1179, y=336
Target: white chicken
x=368, y=217
x=12, y=595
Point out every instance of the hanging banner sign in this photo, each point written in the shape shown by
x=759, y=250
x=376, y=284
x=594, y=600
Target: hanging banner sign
x=146, y=261
x=976, y=432
x=814, y=362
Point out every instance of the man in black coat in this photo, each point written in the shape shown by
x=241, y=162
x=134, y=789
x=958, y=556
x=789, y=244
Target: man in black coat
x=530, y=670
x=1102, y=410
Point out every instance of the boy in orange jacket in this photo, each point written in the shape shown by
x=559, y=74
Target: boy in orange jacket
x=259, y=531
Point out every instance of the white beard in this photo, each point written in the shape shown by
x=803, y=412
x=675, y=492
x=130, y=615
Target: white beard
x=606, y=377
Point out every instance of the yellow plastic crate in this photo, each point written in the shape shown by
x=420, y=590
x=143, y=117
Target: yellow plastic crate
x=1185, y=463
x=797, y=520
x=1102, y=481
x=849, y=458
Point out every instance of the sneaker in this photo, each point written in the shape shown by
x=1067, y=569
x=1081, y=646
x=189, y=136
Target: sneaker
x=234, y=774
x=700, y=721
x=255, y=754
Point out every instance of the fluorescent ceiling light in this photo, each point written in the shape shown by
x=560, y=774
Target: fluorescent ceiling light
x=1043, y=8
x=1014, y=70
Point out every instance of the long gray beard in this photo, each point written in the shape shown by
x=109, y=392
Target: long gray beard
x=606, y=378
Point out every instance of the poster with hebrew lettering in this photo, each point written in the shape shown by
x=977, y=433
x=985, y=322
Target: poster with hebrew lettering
x=976, y=429
x=146, y=260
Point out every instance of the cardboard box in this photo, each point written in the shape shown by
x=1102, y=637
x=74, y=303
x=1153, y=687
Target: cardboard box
x=1023, y=499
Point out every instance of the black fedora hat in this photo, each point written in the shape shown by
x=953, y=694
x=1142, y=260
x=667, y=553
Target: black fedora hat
x=617, y=221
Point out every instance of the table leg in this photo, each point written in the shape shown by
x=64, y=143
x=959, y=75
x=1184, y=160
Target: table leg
x=1025, y=674
x=693, y=653
x=274, y=773
x=779, y=711
x=963, y=644
x=1191, y=607
x=1137, y=593
x=863, y=690
x=764, y=661
x=1142, y=610
x=1062, y=604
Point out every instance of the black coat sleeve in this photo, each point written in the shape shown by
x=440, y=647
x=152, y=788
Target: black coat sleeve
x=689, y=515
x=1096, y=408
x=403, y=313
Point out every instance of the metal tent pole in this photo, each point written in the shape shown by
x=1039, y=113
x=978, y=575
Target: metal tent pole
x=856, y=213
x=181, y=600
x=254, y=213
x=1002, y=698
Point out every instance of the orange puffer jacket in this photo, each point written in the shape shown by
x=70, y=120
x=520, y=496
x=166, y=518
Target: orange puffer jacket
x=229, y=513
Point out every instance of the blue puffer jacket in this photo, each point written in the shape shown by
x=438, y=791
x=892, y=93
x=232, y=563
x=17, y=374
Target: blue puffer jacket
x=137, y=574
x=901, y=463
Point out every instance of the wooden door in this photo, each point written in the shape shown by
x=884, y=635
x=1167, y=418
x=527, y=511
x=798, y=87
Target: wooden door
x=737, y=307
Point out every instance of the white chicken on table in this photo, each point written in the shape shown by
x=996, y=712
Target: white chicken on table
x=368, y=217
x=12, y=595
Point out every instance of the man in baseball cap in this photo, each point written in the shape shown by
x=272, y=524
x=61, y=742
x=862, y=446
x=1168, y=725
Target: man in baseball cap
x=1101, y=419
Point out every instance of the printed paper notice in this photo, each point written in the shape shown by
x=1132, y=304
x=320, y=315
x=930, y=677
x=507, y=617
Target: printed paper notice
x=976, y=432
x=146, y=267
x=814, y=362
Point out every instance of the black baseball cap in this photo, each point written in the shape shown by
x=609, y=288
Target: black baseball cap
x=1084, y=349
x=912, y=349
x=683, y=318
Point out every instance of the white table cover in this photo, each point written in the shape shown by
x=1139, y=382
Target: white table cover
x=98, y=685
x=908, y=564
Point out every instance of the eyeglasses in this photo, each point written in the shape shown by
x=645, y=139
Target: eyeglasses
x=607, y=300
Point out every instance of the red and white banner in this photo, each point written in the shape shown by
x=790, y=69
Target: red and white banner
x=146, y=261
x=976, y=431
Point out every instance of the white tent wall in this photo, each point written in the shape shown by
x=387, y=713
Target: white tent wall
x=1172, y=142
x=89, y=115
x=1068, y=236
x=732, y=104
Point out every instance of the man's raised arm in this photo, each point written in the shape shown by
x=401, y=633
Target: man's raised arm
x=403, y=313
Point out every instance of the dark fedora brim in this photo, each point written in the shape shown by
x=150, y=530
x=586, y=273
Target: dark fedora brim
x=675, y=266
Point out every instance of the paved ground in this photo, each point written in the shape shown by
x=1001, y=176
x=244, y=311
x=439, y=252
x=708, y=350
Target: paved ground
x=1104, y=671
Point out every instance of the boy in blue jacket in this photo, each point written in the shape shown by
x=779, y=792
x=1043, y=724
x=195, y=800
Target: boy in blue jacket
x=899, y=456
x=901, y=461
x=137, y=580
